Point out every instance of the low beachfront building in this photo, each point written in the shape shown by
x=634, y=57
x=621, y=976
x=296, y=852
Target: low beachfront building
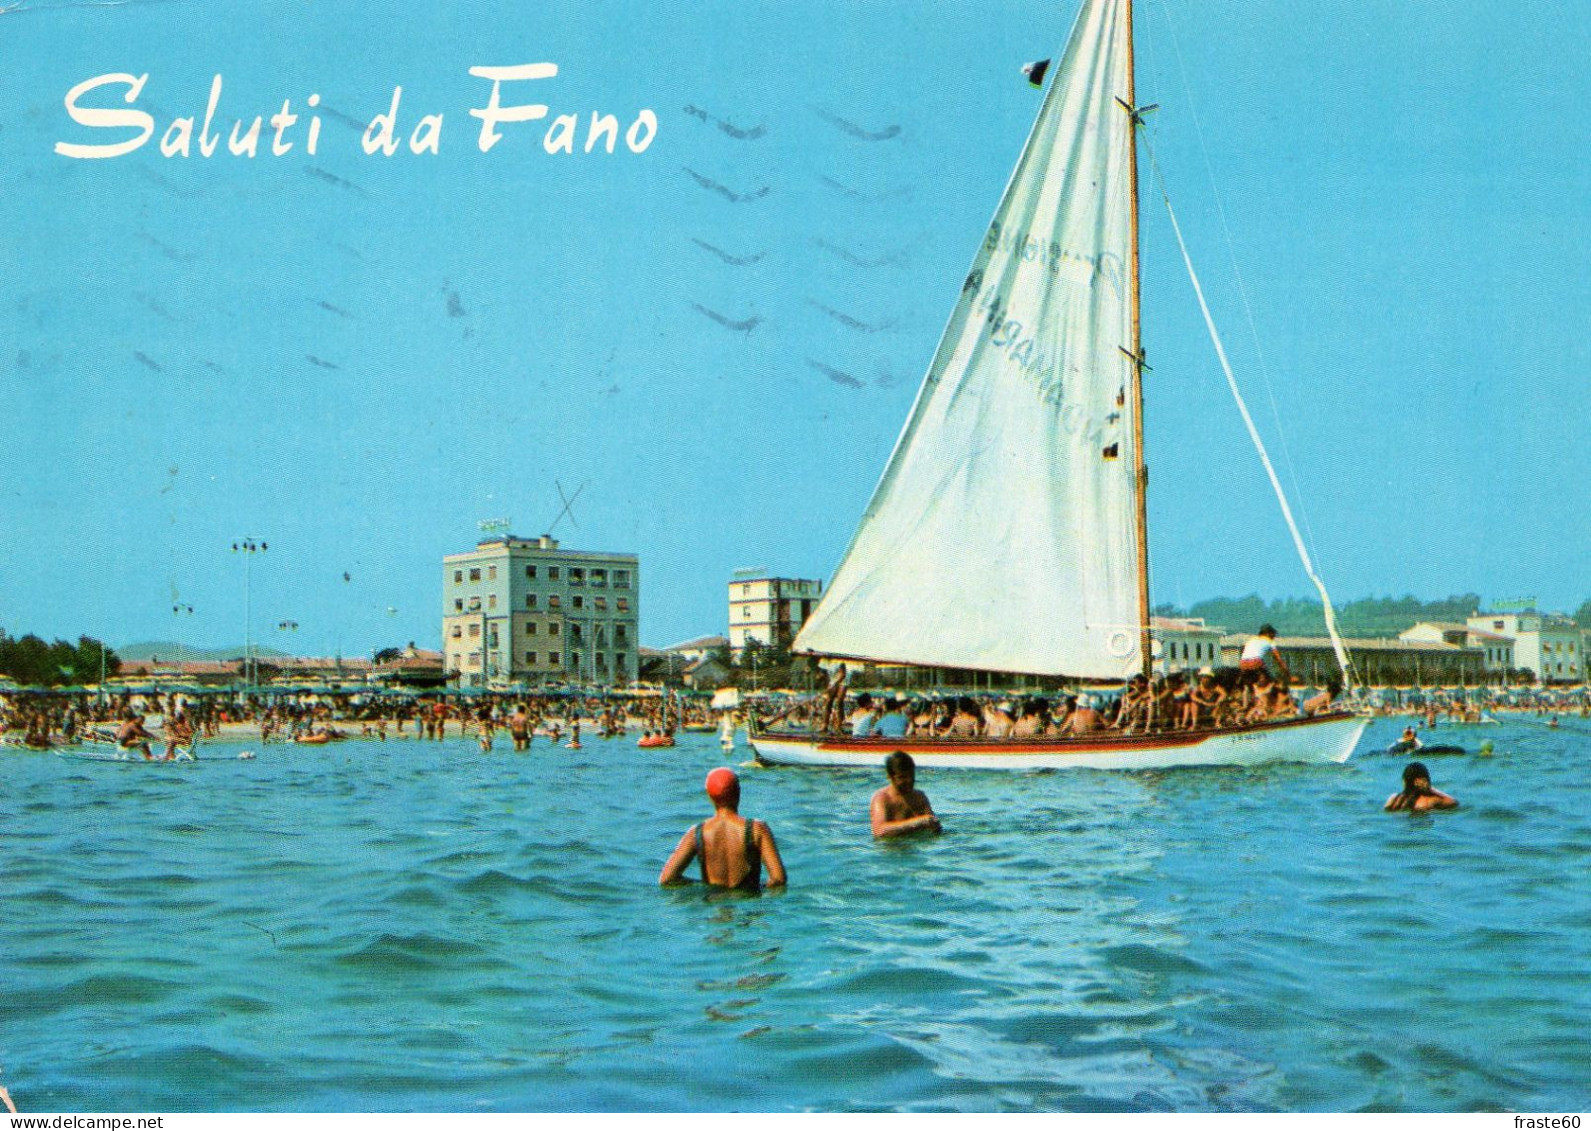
x=1549, y=645
x=1497, y=648
x=1185, y=644
x=518, y=610
x=767, y=609
x=698, y=648
x=1413, y=663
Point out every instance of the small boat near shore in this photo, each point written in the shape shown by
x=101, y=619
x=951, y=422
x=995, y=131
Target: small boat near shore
x=1029, y=427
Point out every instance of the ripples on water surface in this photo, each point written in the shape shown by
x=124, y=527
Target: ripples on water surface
x=384, y=926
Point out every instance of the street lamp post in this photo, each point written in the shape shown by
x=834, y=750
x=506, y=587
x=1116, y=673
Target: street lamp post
x=248, y=547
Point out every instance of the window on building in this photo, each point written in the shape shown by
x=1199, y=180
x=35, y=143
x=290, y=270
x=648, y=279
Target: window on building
x=601, y=604
x=530, y=629
x=552, y=658
x=530, y=657
x=530, y=601
x=475, y=604
x=621, y=635
x=475, y=630
x=530, y=573
x=574, y=660
x=580, y=602
x=475, y=575
x=554, y=601
x=458, y=631
x=745, y=591
x=577, y=575
x=624, y=604
x=475, y=659
x=458, y=604
x=553, y=629
x=621, y=579
x=745, y=614
x=491, y=600
x=458, y=577
x=491, y=573
x=601, y=661
x=552, y=573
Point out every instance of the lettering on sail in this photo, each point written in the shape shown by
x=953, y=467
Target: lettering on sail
x=1053, y=257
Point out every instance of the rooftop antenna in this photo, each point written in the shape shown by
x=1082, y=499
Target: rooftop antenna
x=568, y=505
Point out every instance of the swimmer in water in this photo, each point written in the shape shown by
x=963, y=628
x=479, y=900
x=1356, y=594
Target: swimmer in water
x=900, y=807
x=1417, y=795
x=733, y=849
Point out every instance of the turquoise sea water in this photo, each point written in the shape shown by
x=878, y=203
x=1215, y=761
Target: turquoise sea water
x=386, y=926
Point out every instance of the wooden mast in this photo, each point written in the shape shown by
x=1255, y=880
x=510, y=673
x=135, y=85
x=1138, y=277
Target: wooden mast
x=1140, y=469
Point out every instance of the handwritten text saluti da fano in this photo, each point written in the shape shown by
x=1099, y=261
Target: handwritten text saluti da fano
x=382, y=135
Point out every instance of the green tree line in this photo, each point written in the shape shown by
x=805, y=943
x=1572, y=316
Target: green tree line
x=29, y=660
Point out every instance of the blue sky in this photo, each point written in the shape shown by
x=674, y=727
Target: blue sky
x=357, y=357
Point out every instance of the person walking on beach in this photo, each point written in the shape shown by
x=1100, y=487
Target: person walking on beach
x=733, y=850
x=900, y=807
x=1417, y=795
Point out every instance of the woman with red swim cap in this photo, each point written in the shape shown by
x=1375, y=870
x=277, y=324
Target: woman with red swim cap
x=733, y=849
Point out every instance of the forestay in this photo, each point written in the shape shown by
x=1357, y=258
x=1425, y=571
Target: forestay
x=1000, y=536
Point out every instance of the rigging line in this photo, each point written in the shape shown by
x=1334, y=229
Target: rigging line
x=1281, y=496
x=1242, y=289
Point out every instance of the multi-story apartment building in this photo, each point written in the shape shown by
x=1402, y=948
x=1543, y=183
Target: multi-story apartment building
x=518, y=610
x=769, y=610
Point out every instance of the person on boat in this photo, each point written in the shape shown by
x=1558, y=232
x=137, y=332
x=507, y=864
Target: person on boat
x=900, y=807
x=967, y=722
x=833, y=703
x=894, y=722
x=864, y=719
x=1086, y=719
x=1030, y=719
x=1183, y=714
x=733, y=850
x=1059, y=723
x=1417, y=795
x=997, y=720
x=1207, y=700
x=1133, y=712
x=1320, y=703
x=1161, y=704
x=1261, y=657
x=131, y=735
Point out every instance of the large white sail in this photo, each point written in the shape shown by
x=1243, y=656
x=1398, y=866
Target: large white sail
x=1000, y=536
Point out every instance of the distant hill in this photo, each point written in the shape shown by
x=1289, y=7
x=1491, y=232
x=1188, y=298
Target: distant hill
x=1296, y=616
x=170, y=651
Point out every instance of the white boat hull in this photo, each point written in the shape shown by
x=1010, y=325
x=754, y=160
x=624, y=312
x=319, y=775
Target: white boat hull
x=1322, y=740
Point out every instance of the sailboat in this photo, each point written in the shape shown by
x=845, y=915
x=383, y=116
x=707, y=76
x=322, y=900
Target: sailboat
x=1008, y=532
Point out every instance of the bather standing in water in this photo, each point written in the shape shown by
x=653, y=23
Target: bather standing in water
x=733, y=849
x=900, y=807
